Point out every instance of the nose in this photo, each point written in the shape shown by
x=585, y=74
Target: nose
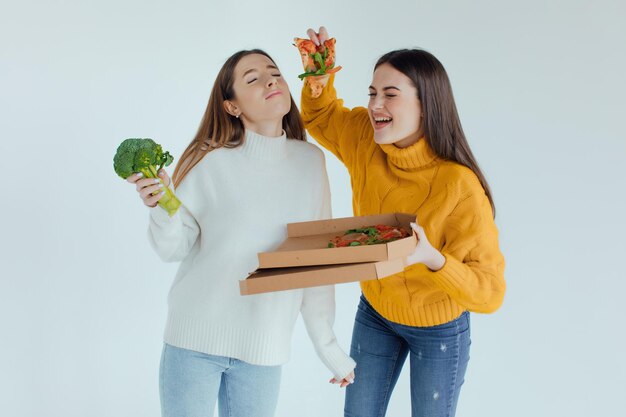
x=271, y=80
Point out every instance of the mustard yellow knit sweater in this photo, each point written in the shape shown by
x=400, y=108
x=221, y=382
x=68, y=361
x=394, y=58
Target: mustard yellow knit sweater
x=448, y=200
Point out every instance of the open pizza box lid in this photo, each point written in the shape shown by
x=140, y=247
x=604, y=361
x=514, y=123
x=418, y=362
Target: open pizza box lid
x=307, y=243
x=279, y=279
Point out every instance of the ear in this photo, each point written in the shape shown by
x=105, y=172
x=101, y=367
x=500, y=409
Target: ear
x=231, y=108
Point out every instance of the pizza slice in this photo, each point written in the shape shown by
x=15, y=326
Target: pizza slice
x=317, y=61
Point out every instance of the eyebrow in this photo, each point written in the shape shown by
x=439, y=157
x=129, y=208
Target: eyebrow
x=254, y=69
x=386, y=88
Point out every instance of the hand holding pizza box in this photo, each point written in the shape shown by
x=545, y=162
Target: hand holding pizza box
x=325, y=252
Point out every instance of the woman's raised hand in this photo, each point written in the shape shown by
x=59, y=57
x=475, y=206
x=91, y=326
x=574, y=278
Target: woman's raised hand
x=318, y=82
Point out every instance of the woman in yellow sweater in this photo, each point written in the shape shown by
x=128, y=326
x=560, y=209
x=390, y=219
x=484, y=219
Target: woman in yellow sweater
x=406, y=152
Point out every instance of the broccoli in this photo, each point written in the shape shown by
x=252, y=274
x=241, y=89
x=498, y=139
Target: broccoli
x=147, y=157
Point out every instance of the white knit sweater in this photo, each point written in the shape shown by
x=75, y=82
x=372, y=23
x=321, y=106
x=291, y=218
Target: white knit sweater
x=236, y=203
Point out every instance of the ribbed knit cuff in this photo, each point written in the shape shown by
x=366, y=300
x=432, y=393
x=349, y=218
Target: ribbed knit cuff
x=478, y=295
x=160, y=216
x=452, y=277
x=336, y=360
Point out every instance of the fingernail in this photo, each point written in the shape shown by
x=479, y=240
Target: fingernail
x=156, y=181
x=162, y=192
x=139, y=174
x=351, y=381
x=160, y=185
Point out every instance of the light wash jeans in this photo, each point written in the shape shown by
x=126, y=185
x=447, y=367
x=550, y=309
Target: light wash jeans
x=191, y=382
x=439, y=357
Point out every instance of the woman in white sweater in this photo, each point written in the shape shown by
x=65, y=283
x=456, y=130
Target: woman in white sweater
x=247, y=173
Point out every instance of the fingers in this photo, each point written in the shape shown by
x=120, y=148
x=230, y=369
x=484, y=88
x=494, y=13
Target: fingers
x=318, y=38
x=153, y=200
x=313, y=36
x=322, y=35
x=152, y=194
x=344, y=382
x=419, y=230
x=349, y=379
x=166, y=178
x=150, y=190
x=146, y=182
x=337, y=381
x=134, y=177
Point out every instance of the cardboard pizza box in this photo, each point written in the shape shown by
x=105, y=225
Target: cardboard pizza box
x=280, y=279
x=307, y=243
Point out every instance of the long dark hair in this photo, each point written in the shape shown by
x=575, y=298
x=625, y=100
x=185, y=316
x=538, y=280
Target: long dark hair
x=441, y=124
x=220, y=129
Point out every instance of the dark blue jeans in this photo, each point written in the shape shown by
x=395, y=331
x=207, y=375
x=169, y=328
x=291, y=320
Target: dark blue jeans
x=439, y=357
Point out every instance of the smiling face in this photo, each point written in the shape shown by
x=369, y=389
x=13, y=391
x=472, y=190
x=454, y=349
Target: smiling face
x=261, y=94
x=394, y=108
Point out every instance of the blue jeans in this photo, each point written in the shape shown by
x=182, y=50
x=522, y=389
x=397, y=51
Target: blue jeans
x=191, y=382
x=439, y=357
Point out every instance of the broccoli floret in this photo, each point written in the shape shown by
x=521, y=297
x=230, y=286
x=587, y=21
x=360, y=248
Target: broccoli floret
x=145, y=156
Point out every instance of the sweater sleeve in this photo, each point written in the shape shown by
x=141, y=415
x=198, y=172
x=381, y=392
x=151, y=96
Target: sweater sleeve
x=326, y=211
x=473, y=274
x=318, y=312
x=332, y=125
x=318, y=305
x=172, y=237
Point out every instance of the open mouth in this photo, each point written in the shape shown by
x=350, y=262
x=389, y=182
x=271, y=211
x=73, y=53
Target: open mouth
x=380, y=122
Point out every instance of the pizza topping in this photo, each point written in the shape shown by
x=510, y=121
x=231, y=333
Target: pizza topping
x=371, y=235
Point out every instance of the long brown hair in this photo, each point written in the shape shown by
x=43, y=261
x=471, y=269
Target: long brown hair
x=441, y=124
x=220, y=129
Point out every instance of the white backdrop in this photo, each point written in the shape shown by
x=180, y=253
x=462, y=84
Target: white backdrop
x=540, y=89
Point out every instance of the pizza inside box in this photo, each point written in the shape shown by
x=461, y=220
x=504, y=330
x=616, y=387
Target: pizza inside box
x=305, y=259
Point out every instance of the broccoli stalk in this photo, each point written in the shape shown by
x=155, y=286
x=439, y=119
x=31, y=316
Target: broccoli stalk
x=145, y=156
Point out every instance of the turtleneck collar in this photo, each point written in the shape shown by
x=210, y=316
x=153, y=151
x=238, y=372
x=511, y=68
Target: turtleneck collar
x=416, y=156
x=264, y=147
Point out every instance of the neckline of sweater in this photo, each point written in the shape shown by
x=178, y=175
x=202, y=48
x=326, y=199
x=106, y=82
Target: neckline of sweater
x=262, y=147
x=416, y=156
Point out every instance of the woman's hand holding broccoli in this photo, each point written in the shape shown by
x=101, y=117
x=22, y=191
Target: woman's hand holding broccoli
x=140, y=161
x=150, y=189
